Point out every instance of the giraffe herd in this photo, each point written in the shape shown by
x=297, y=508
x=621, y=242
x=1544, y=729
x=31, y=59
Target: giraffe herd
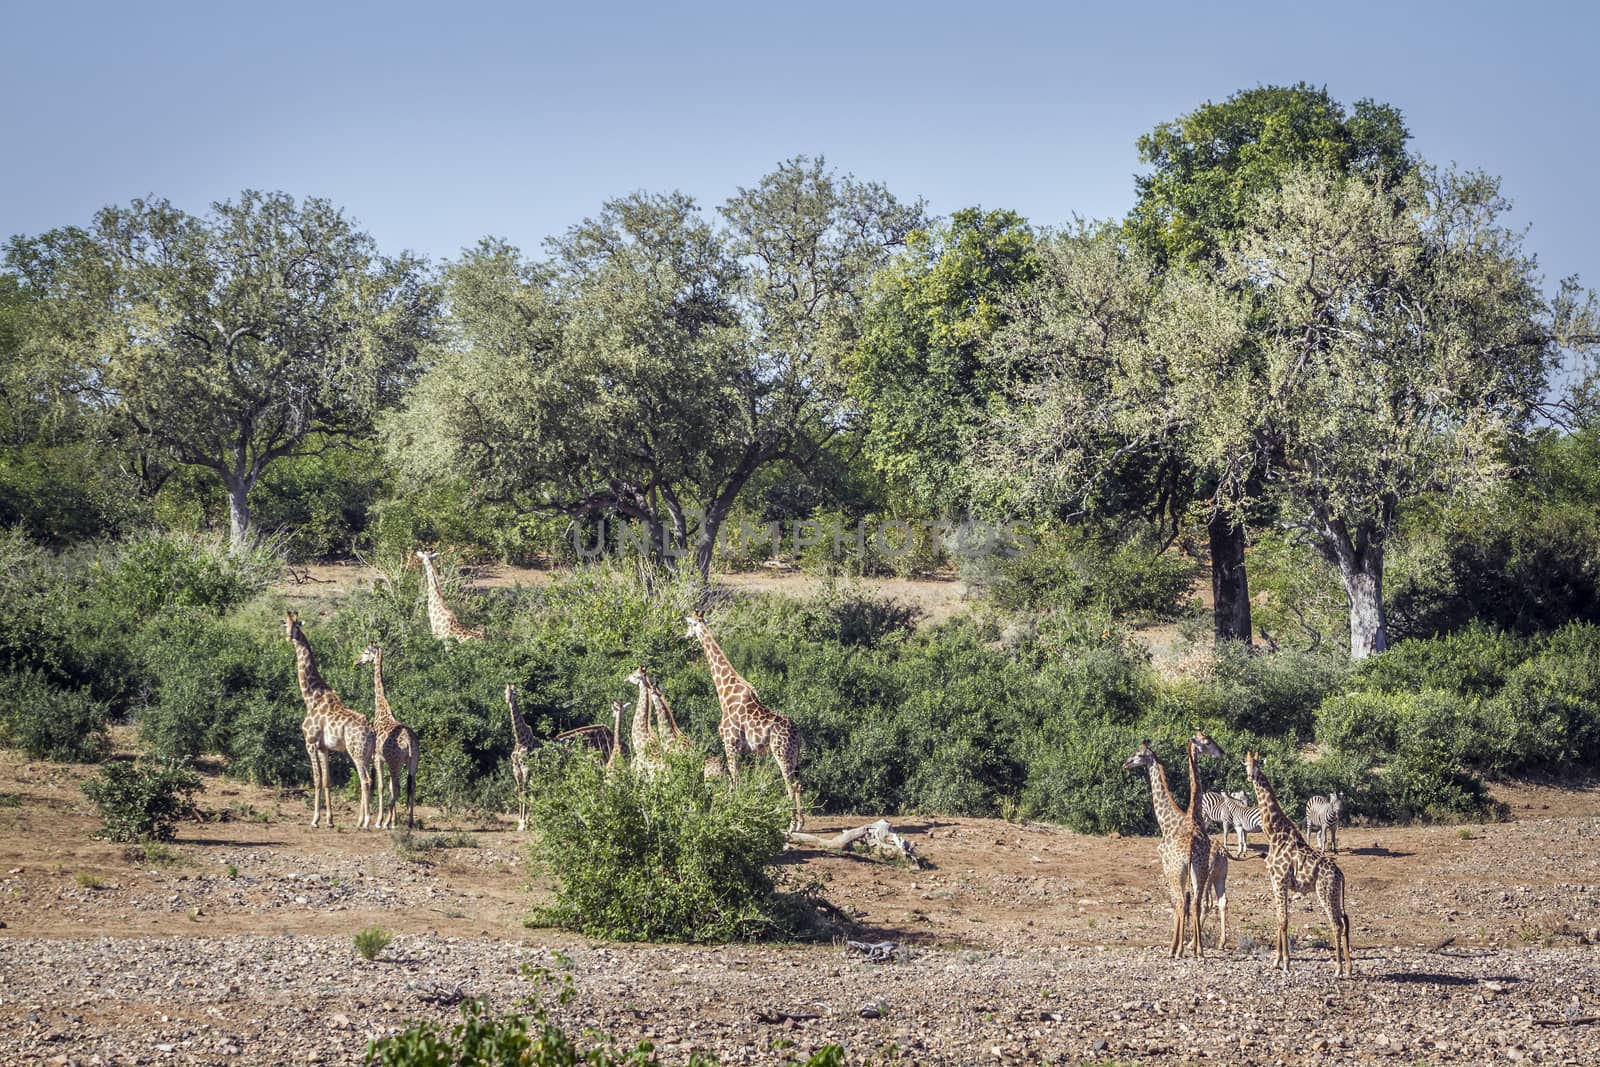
x=1194, y=867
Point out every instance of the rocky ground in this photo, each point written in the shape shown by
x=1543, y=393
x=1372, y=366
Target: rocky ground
x=1020, y=943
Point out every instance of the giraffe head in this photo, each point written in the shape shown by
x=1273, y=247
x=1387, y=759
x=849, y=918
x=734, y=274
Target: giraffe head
x=511, y=694
x=617, y=708
x=697, y=625
x=369, y=654
x=291, y=625
x=1204, y=745
x=427, y=558
x=1252, y=768
x=1142, y=757
x=641, y=676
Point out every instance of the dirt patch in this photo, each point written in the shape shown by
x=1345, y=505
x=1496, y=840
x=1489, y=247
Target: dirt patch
x=1471, y=942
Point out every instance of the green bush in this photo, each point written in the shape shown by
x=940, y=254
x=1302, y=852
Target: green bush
x=1473, y=661
x=155, y=572
x=49, y=722
x=1364, y=724
x=483, y=1038
x=1127, y=574
x=143, y=801
x=668, y=858
x=1273, y=694
x=206, y=676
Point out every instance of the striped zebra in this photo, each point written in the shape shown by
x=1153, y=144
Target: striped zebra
x=1323, y=814
x=1231, y=811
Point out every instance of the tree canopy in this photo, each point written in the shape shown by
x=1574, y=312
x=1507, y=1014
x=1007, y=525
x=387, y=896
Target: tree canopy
x=227, y=341
x=656, y=361
x=917, y=371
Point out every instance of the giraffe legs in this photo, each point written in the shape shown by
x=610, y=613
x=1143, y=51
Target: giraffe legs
x=1197, y=904
x=364, y=774
x=1280, y=908
x=1330, y=894
x=313, y=754
x=322, y=785
x=1219, y=889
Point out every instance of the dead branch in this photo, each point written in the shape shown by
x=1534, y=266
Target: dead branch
x=876, y=838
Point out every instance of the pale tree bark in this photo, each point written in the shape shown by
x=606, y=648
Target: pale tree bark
x=1359, y=557
x=238, y=512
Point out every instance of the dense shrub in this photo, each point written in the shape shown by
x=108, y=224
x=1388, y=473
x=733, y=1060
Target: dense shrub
x=672, y=857
x=1273, y=694
x=143, y=801
x=158, y=571
x=1474, y=661
x=49, y=722
x=1127, y=574
x=206, y=677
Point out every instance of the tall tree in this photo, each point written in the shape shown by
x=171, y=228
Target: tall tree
x=265, y=329
x=1403, y=339
x=1207, y=170
x=656, y=360
x=917, y=371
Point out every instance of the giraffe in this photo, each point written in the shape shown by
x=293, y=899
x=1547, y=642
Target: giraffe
x=1295, y=867
x=614, y=758
x=1217, y=867
x=655, y=734
x=1184, y=850
x=397, y=745
x=522, y=741
x=666, y=727
x=440, y=618
x=648, y=754
x=749, y=726
x=330, y=726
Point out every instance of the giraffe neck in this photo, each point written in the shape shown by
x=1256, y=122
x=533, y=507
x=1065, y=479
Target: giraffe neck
x=381, y=715
x=1168, y=815
x=640, y=732
x=1194, y=783
x=663, y=710
x=1273, y=820
x=311, y=682
x=519, y=725
x=436, y=605
x=728, y=681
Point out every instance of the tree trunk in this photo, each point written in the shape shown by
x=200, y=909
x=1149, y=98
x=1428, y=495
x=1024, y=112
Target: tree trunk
x=705, y=545
x=1360, y=562
x=1363, y=586
x=238, y=512
x=1230, y=586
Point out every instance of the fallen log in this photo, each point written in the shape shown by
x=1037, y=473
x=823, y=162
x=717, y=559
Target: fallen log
x=875, y=838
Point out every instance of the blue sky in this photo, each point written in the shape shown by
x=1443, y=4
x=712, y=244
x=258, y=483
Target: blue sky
x=436, y=124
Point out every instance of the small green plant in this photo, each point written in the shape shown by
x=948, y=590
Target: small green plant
x=143, y=801
x=371, y=942
x=231, y=870
x=89, y=880
x=10, y=800
x=153, y=854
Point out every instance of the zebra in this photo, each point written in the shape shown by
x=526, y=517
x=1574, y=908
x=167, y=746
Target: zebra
x=1231, y=811
x=1323, y=814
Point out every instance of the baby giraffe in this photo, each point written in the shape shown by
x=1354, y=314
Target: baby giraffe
x=1296, y=867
